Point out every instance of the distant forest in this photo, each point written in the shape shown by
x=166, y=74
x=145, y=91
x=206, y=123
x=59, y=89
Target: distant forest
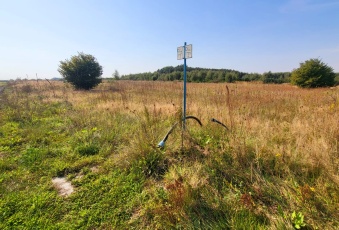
x=170, y=73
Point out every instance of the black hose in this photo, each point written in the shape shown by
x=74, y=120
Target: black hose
x=216, y=121
x=169, y=132
x=172, y=128
x=193, y=117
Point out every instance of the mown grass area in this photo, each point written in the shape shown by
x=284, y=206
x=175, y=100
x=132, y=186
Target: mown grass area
x=276, y=167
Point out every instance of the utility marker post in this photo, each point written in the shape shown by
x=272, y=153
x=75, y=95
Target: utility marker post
x=184, y=52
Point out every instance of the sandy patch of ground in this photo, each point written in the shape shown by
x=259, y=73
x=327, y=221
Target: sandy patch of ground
x=64, y=187
x=95, y=169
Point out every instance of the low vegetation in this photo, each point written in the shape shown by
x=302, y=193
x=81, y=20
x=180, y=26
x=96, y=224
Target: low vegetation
x=170, y=73
x=312, y=73
x=275, y=167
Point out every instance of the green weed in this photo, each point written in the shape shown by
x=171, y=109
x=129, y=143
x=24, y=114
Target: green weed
x=297, y=220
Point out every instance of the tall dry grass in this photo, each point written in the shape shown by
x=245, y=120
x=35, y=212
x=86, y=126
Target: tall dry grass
x=282, y=143
x=301, y=125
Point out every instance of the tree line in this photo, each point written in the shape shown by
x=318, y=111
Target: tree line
x=84, y=72
x=196, y=74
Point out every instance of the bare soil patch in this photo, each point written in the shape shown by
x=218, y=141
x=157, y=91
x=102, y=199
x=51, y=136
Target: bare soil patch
x=64, y=187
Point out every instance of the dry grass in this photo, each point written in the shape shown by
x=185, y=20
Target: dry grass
x=281, y=120
x=283, y=144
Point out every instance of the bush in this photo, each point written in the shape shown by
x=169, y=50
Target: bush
x=336, y=79
x=82, y=71
x=87, y=149
x=313, y=73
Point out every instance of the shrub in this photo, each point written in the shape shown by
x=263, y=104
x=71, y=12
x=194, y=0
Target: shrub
x=82, y=71
x=313, y=73
x=336, y=79
x=87, y=149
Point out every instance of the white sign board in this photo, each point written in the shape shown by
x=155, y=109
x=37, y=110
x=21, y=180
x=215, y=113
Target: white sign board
x=180, y=52
x=189, y=51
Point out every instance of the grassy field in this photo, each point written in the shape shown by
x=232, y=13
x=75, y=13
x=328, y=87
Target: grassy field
x=274, y=167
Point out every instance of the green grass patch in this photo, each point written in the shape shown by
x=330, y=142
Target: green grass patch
x=255, y=175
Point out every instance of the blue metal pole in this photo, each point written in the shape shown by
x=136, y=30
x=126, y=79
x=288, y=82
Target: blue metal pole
x=184, y=102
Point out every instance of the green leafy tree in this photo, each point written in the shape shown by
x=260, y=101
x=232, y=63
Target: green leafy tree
x=220, y=76
x=116, y=75
x=276, y=78
x=209, y=76
x=313, y=73
x=230, y=77
x=82, y=71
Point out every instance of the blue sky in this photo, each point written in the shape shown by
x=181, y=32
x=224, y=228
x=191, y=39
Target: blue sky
x=134, y=36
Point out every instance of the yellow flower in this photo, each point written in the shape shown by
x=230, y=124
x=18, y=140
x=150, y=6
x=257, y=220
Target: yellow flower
x=332, y=106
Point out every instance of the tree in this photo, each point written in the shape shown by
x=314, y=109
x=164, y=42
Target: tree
x=82, y=71
x=313, y=73
x=221, y=76
x=230, y=77
x=116, y=75
x=270, y=77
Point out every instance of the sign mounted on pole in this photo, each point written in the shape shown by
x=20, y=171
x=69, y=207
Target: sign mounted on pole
x=188, y=51
x=180, y=53
x=184, y=52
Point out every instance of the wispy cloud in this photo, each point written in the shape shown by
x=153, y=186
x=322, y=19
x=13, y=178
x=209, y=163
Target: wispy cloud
x=308, y=5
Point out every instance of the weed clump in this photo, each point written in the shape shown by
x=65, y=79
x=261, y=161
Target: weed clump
x=87, y=149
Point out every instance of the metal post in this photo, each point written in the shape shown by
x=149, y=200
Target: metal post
x=184, y=102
